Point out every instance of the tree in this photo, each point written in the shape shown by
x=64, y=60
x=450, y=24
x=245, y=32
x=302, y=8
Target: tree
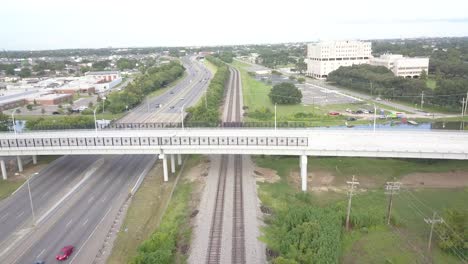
x=29, y=107
x=285, y=93
x=301, y=80
x=43, y=111
x=25, y=72
x=423, y=75
x=454, y=232
x=4, y=122
x=301, y=66
x=90, y=104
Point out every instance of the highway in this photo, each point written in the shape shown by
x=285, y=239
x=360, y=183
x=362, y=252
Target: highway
x=76, y=219
x=168, y=106
x=76, y=198
x=46, y=187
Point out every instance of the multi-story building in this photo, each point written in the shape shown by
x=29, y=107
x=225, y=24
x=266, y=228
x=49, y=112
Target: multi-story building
x=402, y=66
x=327, y=56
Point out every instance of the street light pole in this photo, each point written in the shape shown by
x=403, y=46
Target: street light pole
x=30, y=200
x=95, y=121
x=275, y=116
x=182, y=115
x=13, y=119
x=375, y=115
x=103, y=104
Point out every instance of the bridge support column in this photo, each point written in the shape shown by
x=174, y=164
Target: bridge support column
x=303, y=166
x=164, y=161
x=4, y=171
x=20, y=163
x=34, y=157
x=173, y=163
x=179, y=159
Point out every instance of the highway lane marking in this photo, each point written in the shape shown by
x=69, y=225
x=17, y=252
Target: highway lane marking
x=69, y=222
x=40, y=254
x=22, y=213
x=42, y=196
x=90, y=199
x=86, y=177
x=4, y=216
x=92, y=233
x=85, y=222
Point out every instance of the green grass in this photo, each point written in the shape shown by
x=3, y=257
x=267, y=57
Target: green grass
x=431, y=83
x=378, y=244
x=213, y=69
x=255, y=96
x=7, y=187
x=146, y=215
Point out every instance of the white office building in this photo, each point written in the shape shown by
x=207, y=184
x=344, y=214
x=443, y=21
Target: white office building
x=402, y=66
x=327, y=56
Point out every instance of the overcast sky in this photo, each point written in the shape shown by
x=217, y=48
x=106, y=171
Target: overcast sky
x=52, y=24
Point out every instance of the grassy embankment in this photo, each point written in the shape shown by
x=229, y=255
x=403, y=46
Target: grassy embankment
x=404, y=242
x=148, y=219
x=213, y=69
x=255, y=95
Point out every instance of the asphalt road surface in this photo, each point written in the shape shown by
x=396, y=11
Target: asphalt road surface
x=46, y=187
x=168, y=106
x=75, y=196
x=74, y=221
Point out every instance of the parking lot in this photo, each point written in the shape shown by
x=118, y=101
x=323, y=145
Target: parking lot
x=312, y=94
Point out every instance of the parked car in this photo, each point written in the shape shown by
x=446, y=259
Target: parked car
x=348, y=110
x=39, y=262
x=65, y=253
x=56, y=113
x=359, y=112
x=334, y=113
x=351, y=118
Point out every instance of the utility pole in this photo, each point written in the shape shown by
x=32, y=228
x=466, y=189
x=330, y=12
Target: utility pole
x=462, y=123
x=422, y=100
x=432, y=222
x=352, y=185
x=371, y=89
x=391, y=188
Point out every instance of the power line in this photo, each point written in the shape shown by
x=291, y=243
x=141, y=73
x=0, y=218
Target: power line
x=391, y=188
x=352, y=186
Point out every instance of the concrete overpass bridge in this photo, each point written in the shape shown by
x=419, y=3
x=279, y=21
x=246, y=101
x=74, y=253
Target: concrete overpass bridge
x=298, y=142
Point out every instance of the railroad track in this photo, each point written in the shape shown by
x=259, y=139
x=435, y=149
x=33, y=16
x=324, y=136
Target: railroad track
x=214, y=246
x=233, y=114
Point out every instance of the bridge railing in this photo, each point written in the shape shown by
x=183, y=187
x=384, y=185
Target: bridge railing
x=226, y=125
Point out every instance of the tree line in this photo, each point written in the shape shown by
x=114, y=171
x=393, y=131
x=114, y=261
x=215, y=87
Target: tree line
x=210, y=113
x=379, y=81
x=153, y=79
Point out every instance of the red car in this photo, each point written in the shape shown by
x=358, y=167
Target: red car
x=334, y=113
x=65, y=253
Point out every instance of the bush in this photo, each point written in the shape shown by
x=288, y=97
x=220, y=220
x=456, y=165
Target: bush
x=261, y=114
x=301, y=80
x=215, y=94
x=285, y=93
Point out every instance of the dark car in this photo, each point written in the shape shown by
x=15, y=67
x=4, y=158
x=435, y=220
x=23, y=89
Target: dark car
x=55, y=113
x=65, y=252
x=351, y=118
x=359, y=112
x=39, y=262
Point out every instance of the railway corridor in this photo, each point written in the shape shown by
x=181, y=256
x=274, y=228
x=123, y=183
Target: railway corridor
x=227, y=226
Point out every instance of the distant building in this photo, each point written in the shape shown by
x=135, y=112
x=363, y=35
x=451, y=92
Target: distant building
x=402, y=66
x=327, y=56
x=50, y=99
x=104, y=75
x=104, y=80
